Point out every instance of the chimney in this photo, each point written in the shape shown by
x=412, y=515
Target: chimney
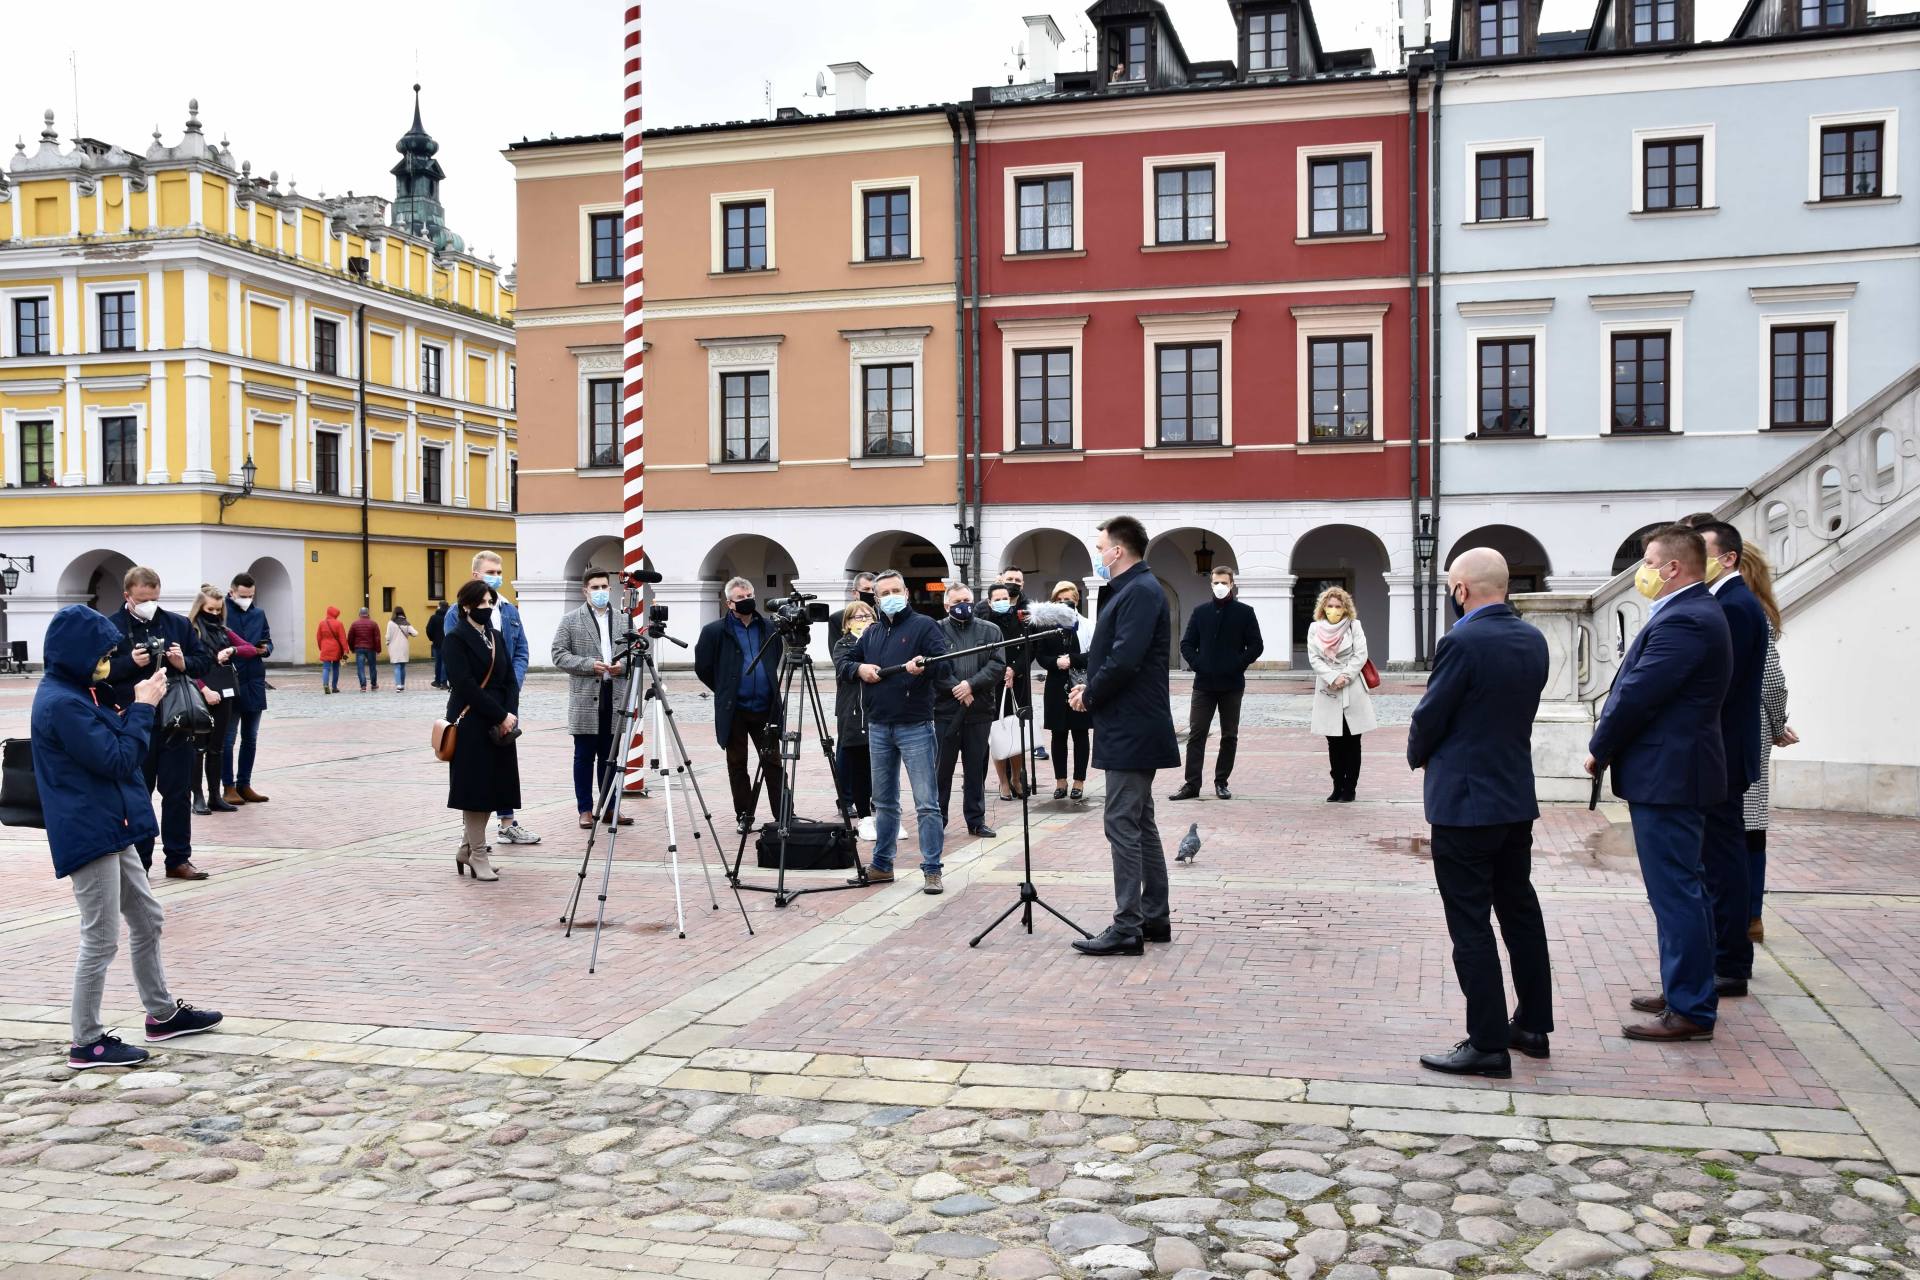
x=1415, y=24
x=849, y=86
x=1043, y=48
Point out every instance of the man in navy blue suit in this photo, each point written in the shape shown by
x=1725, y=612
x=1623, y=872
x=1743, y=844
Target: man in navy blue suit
x=1660, y=735
x=1473, y=734
x=1724, y=854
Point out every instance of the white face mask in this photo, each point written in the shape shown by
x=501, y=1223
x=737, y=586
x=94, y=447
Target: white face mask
x=242, y=603
x=1221, y=590
x=144, y=610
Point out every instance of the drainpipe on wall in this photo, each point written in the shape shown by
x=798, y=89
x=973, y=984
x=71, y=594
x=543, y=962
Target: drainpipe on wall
x=959, y=335
x=1414, y=67
x=1433, y=361
x=366, y=462
x=973, y=305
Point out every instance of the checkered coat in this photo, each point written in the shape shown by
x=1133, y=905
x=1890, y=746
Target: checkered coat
x=1773, y=722
x=576, y=647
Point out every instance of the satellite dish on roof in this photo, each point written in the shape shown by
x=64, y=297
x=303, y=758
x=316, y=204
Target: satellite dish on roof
x=819, y=84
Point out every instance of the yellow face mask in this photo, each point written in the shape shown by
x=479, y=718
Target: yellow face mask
x=1335, y=613
x=101, y=668
x=1714, y=568
x=858, y=625
x=1647, y=581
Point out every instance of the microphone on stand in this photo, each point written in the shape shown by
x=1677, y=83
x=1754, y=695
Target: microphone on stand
x=1049, y=614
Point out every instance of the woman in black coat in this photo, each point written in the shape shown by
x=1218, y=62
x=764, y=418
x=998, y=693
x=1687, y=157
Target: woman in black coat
x=1060, y=655
x=855, y=765
x=485, y=701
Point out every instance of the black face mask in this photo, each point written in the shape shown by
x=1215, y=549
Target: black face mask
x=481, y=617
x=1454, y=603
x=745, y=607
x=869, y=599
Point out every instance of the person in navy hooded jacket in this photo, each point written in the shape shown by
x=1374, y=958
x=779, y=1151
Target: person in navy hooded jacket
x=88, y=764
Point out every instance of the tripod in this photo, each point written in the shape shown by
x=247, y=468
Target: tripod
x=795, y=667
x=643, y=683
x=1029, y=896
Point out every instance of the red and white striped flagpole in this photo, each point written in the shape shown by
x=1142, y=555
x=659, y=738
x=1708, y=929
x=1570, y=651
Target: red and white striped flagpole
x=633, y=389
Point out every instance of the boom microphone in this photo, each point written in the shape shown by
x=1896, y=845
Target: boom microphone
x=643, y=575
x=1051, y=614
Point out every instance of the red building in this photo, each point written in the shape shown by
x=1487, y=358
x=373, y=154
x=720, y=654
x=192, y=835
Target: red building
x=1199, y=300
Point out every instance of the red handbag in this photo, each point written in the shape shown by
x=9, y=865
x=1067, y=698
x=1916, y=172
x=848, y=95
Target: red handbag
x=1370, y=674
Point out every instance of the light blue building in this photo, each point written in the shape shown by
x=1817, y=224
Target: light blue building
x=1664, y=263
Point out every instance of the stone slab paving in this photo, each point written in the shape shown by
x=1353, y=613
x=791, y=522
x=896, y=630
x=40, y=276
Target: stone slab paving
x=724, y=1107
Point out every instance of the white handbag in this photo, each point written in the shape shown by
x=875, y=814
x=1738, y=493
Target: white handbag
x=1003, y=739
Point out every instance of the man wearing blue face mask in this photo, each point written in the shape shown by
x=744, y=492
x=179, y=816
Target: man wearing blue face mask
x=965, y=709
x=489, y=568
x=584, y=647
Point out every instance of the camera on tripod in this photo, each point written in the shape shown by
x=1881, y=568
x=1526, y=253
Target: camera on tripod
x=656, y=627
x=793, y=616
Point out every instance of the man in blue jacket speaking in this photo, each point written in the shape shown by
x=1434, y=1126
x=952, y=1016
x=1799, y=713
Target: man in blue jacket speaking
x=87, y=763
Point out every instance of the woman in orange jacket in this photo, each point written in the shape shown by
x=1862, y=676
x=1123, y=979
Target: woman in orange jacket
x=332, y=639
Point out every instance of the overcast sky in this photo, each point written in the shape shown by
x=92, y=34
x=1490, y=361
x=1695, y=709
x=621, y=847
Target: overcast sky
x=323, y=102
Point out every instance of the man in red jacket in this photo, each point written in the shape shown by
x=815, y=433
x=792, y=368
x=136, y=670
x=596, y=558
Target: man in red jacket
x=363, y=637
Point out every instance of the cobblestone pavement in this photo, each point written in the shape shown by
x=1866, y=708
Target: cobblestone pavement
x=418, y=1077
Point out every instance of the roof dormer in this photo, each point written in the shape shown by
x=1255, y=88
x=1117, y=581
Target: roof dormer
x=1799, y=17
x=1641, y=24
x=1496, y=28
x=1139, y=48
x=1276, y=38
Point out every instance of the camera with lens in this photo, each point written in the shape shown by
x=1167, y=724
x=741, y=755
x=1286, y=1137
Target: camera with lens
x=656, y=627
x=156, y=647
x=793, y=615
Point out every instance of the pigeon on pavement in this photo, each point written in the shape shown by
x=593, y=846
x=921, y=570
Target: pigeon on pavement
x=1189, y=844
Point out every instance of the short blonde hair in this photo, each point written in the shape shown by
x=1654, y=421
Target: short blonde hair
x=1334, y=595
x=1065, y=585
x=140, y=576
x=855, y=611
x=481, y=557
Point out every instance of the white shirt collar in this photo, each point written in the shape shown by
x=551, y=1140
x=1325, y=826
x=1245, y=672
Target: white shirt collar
x=1713, y=588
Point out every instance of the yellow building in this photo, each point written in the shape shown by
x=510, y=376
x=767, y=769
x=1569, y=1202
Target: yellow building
x=173, y=327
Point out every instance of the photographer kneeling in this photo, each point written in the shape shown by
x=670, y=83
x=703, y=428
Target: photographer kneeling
x=87, y=763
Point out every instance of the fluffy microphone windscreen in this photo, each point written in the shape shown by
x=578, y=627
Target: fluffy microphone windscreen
x=1049, y=614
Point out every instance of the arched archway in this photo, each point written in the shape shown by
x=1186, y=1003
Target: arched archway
x=595, y=553
x=1177, y=558
x=1527, y=563
x=1048, y=557
x=273, y=592
x=758, y=559
x=1342, y=555
x=95, y=579
x=1635, y=546
x=919, y=561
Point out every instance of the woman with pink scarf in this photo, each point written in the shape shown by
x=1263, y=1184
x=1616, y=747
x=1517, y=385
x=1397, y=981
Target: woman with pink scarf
x=1342, y=707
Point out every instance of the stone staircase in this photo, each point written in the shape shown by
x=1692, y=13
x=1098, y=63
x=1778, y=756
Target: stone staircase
x=1837, y=520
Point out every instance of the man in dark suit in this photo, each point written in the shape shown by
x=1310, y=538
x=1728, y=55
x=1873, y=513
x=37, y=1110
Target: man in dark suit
x=728, y=659
x=1473, y=734
x=1723, y=857
x=1222, y=641
x=1126, y=694
x=1660, y=735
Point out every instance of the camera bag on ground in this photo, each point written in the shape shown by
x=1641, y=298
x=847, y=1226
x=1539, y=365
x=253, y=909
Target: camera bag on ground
x=811, y=846
x=183, y=709
x=19, y=793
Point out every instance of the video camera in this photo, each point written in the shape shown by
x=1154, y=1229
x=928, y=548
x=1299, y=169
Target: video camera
x=794, y=614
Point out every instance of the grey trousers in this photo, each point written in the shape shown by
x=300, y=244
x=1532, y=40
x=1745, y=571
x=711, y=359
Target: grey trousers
x=1139, y=862
x=105, y=890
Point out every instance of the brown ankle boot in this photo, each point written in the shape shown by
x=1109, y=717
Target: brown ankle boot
x=251, y=796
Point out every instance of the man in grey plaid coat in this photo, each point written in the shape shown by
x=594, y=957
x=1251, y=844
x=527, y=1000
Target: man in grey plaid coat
x=584, y=647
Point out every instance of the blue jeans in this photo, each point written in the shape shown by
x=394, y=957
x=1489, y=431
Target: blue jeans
x=330, y=675
x=399, y=675
x=366, y=665
x=439, y=667
x=915, y=744
x=244, y=725
x=1668, y=838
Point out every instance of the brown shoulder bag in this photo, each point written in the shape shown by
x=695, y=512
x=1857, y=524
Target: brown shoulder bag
x=444, y=733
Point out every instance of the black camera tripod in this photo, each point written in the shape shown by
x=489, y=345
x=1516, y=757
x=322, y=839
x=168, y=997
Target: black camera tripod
x=643, y=686
x=791, y=722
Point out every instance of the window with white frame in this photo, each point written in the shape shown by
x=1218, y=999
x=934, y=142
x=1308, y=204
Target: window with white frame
x=120, y=449
x=31, y=329
x=1337, y=191
x=1043, y=209
x=602, y=251
x=1040, y=385
x=887, y=393
x=1853, y=156
x=114, y=316
x=743, y=399
x=326, y=462
x=1339, y=373
x=1641, y=364
x=1184, y=200
x=36, y=467
x=433, y=359
x=326, y=345
x=886, y=220
x=1188, y=396
x=1673, y=169
x=1506, y=181
x=433, y=476
x=740, y=232
x=603, y=422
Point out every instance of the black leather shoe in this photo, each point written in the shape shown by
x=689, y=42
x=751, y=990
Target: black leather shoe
x=1111, y=943
x=218, y=805
x=1729, y=986
x=200, y=809
x=1465, y=1060
x=1161, y=932
x=1221, y=791
x=1531, y=1043
x=1186, y=792
x=984, y=833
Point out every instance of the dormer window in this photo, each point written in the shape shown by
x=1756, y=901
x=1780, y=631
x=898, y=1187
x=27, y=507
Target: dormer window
x=1127, y=54
x=1824, y=15
x=1497, y=27
x=1653, y=21
x=1266, y=37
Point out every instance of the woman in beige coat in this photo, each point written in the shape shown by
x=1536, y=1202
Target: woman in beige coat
x=399, y=650
x=1342, y=707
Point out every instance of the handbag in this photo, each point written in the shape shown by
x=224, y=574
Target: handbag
x=445, y=733
x=1003, y=738
x=183, y=709
x=1370, y=674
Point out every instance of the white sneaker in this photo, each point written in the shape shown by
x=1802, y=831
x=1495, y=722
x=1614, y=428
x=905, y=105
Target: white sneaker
x=867, y=830
x=514, y=833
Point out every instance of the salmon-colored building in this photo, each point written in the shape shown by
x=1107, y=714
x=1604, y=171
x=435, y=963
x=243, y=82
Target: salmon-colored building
x=800, y=356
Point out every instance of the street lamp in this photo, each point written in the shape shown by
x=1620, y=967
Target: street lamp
x=961, y=553
x=1424, y=542
x=1203, y=558
x=10, y=576
x=247, y=472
